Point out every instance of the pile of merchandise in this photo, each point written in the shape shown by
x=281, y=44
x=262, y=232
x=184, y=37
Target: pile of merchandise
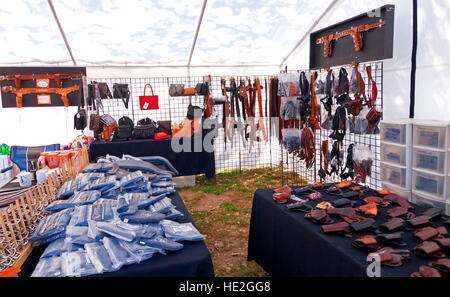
x=116, y=212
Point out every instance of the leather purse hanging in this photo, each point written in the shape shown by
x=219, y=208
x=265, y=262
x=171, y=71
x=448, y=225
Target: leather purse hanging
x=189, y=92
x=123, y=92
x=147, y=102
x=176, y=90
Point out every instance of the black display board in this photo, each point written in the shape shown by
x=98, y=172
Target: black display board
x=30, y=100
x=377, y=43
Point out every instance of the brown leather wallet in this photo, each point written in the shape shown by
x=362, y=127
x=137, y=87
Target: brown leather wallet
x=393, y=225
x=444, y=243
x=400, y=212
x=336, y=228
x=319, y=216
x=443, y=265
x=394, y=198
x=426, y=271
x=390, y=257
x=348, y=214
x=429, y=249
x=426, y=233
x=419, y=221
x=367, y=242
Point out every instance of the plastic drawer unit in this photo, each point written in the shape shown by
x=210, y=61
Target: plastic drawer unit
x=431, y=134
x=429, y=159
x=396, y=190
x=431, y=184
x=428, y=201
x=395, y=175
x=394, y=132
x=395, y=154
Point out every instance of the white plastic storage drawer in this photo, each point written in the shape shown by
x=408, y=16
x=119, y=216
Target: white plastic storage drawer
x=396, y=190
x=427, y=201
x=429, y=159
x=395, y=154
x=432, y=184
x=430, y=135
x=395, y=175
x=395, y=133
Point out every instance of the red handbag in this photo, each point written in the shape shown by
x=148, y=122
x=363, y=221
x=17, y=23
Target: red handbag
x=148, y=102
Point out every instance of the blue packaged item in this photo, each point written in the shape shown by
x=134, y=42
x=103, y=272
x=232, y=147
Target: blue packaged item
x=99, y=257
x=149, y=231
x=93, y=232
x=78, y=235
x=102, y=210
x=144, y=167
x=139, y=252
x=77, y=264
x=162, y=206
x=82, y=180
x=162, y=191
x=154, y=199
x=180, y=232
x=173, y=214
x=118, y=255
x=67, y=189
x=80, y=215
x=132, y=178
x=161, y=178
x=113, y=229
x=158, y=161
x=98, y=167
x=51, y=226
x=94, y=175
x=85, y=197
x=59, y=205
x=142, y=217
x=58, y=247
x=103, y=183
x=161, y=242
x=48, y=267
x=132, y=199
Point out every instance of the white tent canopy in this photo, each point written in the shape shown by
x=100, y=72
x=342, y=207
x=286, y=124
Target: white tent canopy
x=157, y=38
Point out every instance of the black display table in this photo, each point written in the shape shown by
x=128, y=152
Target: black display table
x=187, y=163
x=284, y=243
x=194, y=260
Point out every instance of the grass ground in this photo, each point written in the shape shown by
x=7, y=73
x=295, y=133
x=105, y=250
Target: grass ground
x=221, y=210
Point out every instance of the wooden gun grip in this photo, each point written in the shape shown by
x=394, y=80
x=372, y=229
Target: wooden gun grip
x=357, y=41
x=19, y=100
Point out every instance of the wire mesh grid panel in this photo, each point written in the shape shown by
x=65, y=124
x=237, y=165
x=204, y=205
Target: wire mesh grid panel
x=295, y=171
x=234, y=152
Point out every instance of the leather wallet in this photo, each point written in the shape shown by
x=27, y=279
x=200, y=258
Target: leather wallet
x=393, y=225
x=392, y=239
x=390, y=257
x=443, y=265
x=319, y=217
x=336, y=228
x=341, y=202
x=426, y=233
x=429, y=249
x=348, y=214
x=400, y=212
x=426, y=271
x=364, y=225
x=419, y=221
x=444, y=243
x=367, y=243
x=393, y=198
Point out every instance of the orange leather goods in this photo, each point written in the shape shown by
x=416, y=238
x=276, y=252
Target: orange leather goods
x=356, y=33
x=367, y=242
x=189, y=91
x=345, y=184
x=260, y=125
x=370, y=209
x=281, y=197
x=20, y=92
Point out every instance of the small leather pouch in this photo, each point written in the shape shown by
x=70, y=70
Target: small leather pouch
x=319, y=217
x=400, y=212
x=303, y=190
x=336, y=228
x=367, y=243
x=392, y=239
x=390, y=257
x=419, y=221
x=350, y=195
x=443, y=265
x=429, y=249
x=341, y=203
x=372, y=199
x=284, y=189
x=399, y=201
x=176, y=90
x=201, y=89
x=444, y=243
x=370, y=209
x=348, y=214
x=393, y=225
x=281, y=197
x=364, y=225
x=427, y=233
x=426, y=271
x=434, y=213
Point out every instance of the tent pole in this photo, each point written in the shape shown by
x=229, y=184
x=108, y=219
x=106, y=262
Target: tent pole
x=62, y=31
x=196, y=34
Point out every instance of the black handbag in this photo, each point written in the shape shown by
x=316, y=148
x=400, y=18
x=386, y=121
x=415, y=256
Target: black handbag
x=201, y=89
x=122, y=91
x=165, y=126
x=124, y=130
x=191, y=113
x=145, y=129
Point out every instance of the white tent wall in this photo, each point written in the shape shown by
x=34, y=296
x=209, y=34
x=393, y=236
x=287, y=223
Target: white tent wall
x=432, y=87
x=47, y=125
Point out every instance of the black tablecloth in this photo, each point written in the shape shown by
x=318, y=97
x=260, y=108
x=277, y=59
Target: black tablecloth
x=284, y=243
x=187, y=163
x=194, y=260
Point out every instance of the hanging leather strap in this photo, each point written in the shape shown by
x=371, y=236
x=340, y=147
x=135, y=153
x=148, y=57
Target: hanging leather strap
x=314, y=118
x=260, y=125
x=372, y=89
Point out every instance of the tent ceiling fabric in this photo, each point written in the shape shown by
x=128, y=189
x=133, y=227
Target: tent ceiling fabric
x=154, y=32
